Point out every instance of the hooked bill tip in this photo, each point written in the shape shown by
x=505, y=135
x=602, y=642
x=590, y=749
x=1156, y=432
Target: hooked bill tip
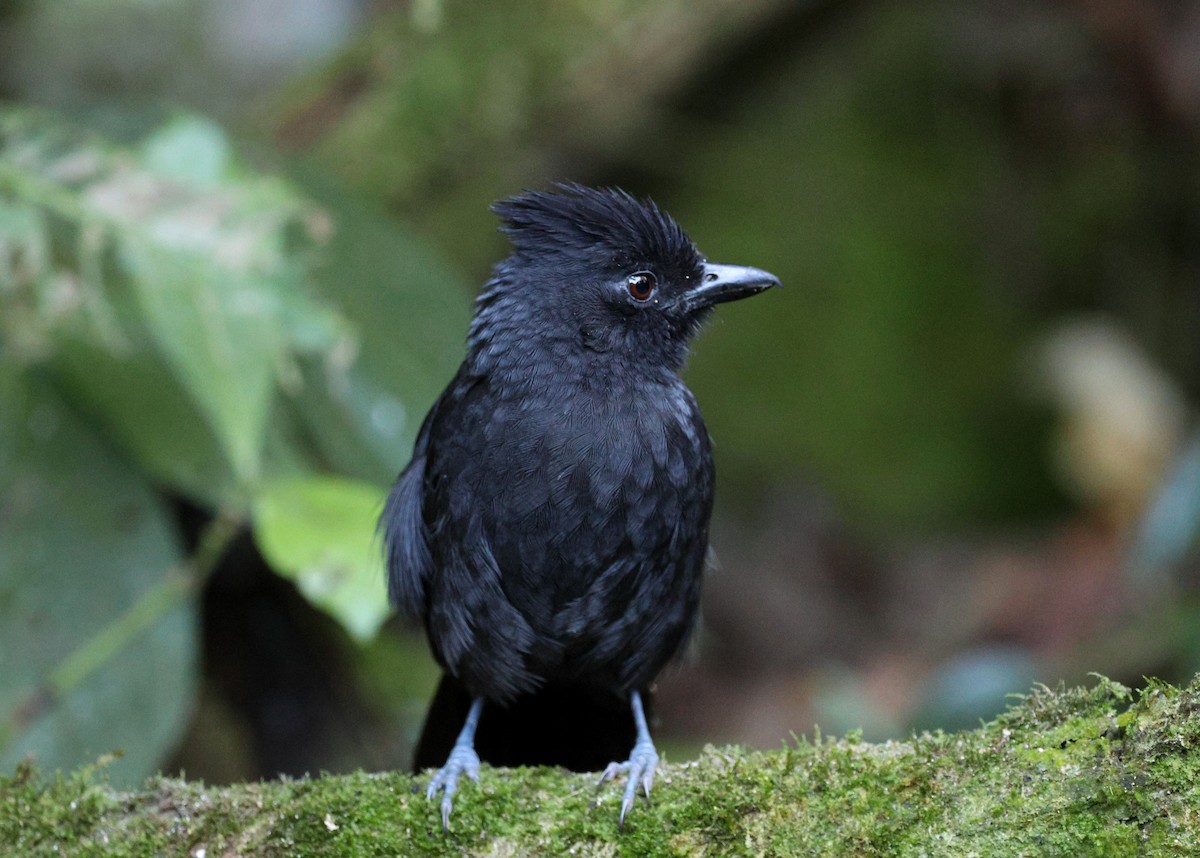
x=721, y=283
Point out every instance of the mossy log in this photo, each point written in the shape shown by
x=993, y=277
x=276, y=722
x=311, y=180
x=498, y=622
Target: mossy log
x=1099, y=771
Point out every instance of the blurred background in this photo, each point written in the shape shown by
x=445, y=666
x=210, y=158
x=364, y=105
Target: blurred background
x=957, y=454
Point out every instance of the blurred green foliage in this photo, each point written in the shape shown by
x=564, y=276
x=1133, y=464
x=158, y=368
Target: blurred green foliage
x=319, y=530
x=168, y=332
x=82, y=538
x=890, y=378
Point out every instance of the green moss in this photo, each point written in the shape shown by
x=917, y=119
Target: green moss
x=1097, y=771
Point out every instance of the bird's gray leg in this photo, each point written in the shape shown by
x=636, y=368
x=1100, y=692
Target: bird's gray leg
x=641, y=763
x=462, y=760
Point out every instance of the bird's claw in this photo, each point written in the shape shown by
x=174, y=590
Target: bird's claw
x=642, y=762
x=462, y=761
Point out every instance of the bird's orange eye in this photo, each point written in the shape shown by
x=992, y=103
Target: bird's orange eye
x=641, y=285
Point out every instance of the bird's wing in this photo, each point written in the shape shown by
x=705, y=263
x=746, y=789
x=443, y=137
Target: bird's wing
x=405, y=541
x=405, y=537
x=476, y=633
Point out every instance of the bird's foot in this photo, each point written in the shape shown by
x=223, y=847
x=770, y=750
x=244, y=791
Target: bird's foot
x=462, y=761
x=641, y=765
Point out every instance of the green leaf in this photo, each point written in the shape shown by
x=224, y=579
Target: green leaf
x=221, y=334
x=320, y=532
x=83, y=540
x=134, y=398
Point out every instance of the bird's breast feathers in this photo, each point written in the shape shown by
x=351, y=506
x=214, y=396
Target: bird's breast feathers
x=575, y=480
x=611, y=438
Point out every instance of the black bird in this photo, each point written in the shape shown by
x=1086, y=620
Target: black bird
x=551, y=529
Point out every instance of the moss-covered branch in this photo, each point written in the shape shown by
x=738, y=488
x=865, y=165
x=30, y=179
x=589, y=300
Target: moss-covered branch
x=1098, y=771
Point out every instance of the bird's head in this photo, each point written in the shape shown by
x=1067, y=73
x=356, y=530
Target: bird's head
x=600, y=269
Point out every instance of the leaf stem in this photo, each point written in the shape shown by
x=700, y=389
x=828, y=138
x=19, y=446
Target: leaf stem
x=179, y=584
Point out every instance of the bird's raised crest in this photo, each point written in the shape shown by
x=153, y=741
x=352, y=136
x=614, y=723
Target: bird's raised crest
x=573, y=218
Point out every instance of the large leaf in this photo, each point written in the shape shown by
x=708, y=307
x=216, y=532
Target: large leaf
x=85, y=546
x=144, y=409
x=320, y=531
x=222, y=335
